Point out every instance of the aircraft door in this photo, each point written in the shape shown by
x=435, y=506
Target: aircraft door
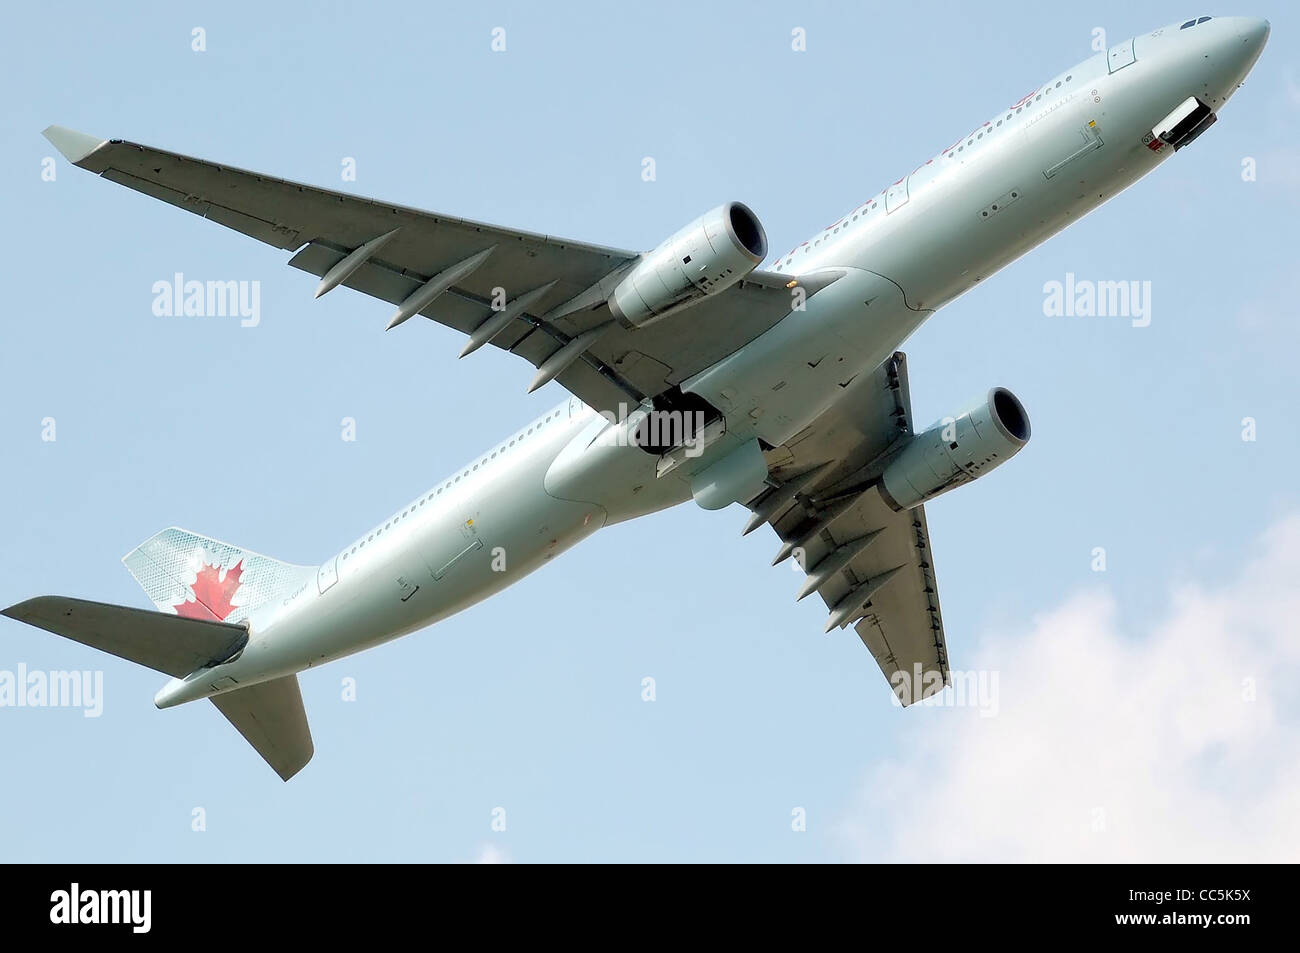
x=896, y=195
x=327, y=574
x=1120, y=55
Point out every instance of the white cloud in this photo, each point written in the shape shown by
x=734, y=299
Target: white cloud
x=1147, y=735
x=491, y=854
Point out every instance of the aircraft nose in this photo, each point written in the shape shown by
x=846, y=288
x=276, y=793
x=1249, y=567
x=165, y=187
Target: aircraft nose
x=1253, y=31
x=1249, y=34
x=1233, y=44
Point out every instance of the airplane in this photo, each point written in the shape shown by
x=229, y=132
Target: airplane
x=694, y=374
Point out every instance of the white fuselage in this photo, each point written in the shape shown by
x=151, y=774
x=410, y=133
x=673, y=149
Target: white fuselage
x=981, y=203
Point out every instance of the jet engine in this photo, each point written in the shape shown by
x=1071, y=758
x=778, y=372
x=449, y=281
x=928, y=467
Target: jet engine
x=956, y=450
x=710, y=254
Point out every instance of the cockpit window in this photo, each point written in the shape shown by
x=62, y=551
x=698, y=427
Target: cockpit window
x=1194, y=22
x=1203, y=19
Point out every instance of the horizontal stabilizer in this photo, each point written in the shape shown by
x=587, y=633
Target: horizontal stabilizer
x=165, y=643
x=271, y=717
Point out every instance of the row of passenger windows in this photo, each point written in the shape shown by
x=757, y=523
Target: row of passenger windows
x=874, y=203
x=410, y=511
x=1010, y=115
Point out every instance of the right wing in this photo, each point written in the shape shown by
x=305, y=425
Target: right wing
x=559, y=285
x=870, y=564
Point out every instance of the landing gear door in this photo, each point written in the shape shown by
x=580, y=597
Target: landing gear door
x=1120, y=56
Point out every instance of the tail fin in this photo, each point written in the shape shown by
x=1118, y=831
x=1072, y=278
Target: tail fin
x=200, y=578
x=190, y=575
x=212, y=586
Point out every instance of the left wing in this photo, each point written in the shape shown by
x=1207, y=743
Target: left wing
x=555, y=289
x=870, y=564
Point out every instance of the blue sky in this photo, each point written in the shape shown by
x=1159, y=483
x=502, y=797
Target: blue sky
x=532, y=700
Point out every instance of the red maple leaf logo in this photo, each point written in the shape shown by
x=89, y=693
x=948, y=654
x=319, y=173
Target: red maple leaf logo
x=212, y=594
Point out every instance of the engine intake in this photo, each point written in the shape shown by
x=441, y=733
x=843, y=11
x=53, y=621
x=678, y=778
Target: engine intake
x=956, y=450
x=710, y=254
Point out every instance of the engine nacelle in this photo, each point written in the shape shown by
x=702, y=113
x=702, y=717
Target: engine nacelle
x=710, y=254
x=956, y=450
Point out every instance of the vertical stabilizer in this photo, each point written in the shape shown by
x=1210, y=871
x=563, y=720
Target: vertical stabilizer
x=200, y=578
